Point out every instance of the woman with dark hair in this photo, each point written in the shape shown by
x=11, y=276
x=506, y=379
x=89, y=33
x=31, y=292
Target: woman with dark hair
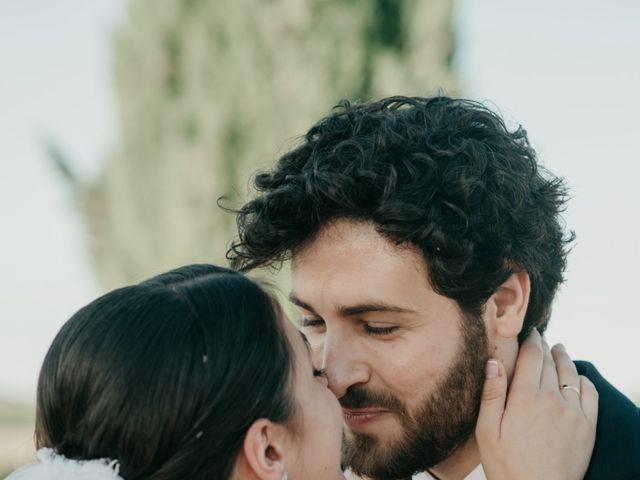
x=196, y=374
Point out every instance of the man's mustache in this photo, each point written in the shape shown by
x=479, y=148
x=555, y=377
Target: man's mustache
x=358, y=396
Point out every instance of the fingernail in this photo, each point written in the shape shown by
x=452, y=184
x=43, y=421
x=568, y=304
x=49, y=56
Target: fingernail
x=561, y=347
x=491, y=370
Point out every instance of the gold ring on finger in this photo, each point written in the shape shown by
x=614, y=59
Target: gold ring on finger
x=570, y=387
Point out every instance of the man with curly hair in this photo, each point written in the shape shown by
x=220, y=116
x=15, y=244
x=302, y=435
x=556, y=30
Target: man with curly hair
x=424, y=239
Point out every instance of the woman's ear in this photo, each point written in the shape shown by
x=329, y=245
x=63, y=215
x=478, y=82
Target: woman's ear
x=507, y=307
x=263, y=450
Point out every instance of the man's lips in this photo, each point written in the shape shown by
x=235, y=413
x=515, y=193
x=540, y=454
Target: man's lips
x=356, y=418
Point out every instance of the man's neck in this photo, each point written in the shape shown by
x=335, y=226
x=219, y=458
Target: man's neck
x=460, y=464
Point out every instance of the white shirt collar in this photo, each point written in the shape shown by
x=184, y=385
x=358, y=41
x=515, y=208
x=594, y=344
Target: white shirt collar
x=476, y=474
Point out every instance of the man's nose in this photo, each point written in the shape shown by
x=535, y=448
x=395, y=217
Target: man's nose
x=342, y=363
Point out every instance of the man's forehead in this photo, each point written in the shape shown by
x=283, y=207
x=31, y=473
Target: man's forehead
x=357, y=279
x=349, y=236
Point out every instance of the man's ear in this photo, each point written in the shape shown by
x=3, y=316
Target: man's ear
x=263, y=450
x=507, y=307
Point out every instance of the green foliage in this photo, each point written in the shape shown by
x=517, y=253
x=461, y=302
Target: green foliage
x=209, y=91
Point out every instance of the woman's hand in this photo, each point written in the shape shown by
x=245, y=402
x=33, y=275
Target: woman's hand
x=541, y=430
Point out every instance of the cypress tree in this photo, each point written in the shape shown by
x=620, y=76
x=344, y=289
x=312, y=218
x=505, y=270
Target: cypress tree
x=212, y=90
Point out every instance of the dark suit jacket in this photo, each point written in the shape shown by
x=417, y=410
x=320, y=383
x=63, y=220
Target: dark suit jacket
x=616, y=455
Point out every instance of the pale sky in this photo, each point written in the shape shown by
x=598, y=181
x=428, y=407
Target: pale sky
x=569, y=71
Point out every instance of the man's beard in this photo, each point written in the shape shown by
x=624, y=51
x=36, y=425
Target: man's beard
x=434, y=431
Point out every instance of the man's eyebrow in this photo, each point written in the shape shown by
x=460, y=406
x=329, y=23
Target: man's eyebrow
x=296, y=301
x=348, y=311
x=373, y=307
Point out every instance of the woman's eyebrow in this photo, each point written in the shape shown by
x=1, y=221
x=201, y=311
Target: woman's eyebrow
x=305, y=340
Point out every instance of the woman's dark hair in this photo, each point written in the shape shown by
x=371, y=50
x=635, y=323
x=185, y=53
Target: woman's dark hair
x=167, y=376
x=444, y=175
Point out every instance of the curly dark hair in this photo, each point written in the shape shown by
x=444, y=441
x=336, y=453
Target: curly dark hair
x=444, y=175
